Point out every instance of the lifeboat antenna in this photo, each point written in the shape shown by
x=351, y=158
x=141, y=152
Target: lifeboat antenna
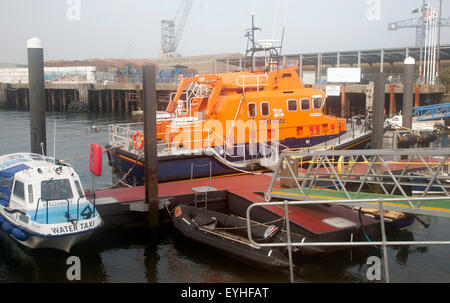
x=265, y=46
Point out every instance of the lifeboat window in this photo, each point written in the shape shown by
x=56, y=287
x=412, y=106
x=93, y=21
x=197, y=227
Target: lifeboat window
x=305, y=104
x=56, y=190
x=252, y=110
x=19, y=190
x=30, y=194
x=292, y=105
x=265, y=110
x=317, y=103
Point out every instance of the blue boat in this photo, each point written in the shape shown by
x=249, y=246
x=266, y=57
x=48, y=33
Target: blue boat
x=42, y=203
x=435, y=189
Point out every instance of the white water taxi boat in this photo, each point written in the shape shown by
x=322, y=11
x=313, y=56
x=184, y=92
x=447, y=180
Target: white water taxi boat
x=42, y=203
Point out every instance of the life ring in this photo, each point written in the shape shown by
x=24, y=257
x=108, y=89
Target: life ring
x=141, y=138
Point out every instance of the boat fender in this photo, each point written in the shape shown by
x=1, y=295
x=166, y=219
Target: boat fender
x=19, y=234
x=138, y=137
x=7, y=227
x=271, y=231
x=177, y=212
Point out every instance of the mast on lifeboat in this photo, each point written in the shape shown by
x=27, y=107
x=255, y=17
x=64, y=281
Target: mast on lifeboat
x=271, y=52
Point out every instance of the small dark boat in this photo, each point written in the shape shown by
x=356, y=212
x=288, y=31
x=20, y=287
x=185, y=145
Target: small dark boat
x=228, y=233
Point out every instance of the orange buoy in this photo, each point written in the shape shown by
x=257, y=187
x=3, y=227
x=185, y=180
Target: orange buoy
x=138, y=136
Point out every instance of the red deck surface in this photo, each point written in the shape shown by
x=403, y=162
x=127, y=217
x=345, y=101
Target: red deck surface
x=245, y=186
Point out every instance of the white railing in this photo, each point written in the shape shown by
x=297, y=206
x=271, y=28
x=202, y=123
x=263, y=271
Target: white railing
x=259, y=83
x=122, y=135
x=193, y=141
x=194, y=90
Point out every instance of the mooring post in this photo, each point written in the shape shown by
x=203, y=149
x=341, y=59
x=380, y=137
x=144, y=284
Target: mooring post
x=150, y=147
x=379, y=96
x=378, y=111
x=392, y=105
x=343, y=102
x=37, y=95
x=408, y=91
x=417, y=96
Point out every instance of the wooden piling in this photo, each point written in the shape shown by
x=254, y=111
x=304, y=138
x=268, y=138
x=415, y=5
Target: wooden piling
x=17, y=100
x=126, y=103
x=417, y=96
x=64, y=102
x=100, y=102
x=113, y=106
x=343, y=102
x=52, y=96
x=392, y=105
x=107, y=104
x=150, y=143
x=378, y=112
x=26, y=101
x=120, y=101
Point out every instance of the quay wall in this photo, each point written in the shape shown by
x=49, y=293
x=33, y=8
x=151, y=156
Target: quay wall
x=76, y=74
x=3, y=88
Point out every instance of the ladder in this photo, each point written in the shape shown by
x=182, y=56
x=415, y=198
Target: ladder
x=201, y=193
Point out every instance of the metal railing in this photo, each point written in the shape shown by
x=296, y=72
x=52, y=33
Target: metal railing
x=122, y=134
x=384, y=243
x=47, y=207
x=369, y=167
x=432, y=112
x=201, y=192
x=193, y=141
x=259, y=83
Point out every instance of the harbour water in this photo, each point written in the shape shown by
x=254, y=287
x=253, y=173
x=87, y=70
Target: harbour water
x=136, y=255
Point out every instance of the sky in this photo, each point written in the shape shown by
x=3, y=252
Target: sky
x=82, y=29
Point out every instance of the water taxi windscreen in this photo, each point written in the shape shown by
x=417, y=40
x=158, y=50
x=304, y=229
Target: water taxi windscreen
x=56, y=190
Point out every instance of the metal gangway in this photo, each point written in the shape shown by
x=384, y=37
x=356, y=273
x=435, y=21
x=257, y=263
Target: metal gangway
x=368, y=174
x=432, y=112
x=351, y=174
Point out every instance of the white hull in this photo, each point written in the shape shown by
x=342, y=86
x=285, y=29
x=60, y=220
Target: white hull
x=61, y=243
x=57, y=236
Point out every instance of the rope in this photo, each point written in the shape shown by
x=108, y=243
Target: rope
x=88, y=155
x=129, y=171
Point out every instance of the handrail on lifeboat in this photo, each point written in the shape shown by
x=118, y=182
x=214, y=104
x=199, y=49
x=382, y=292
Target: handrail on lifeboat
x=258, y=84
